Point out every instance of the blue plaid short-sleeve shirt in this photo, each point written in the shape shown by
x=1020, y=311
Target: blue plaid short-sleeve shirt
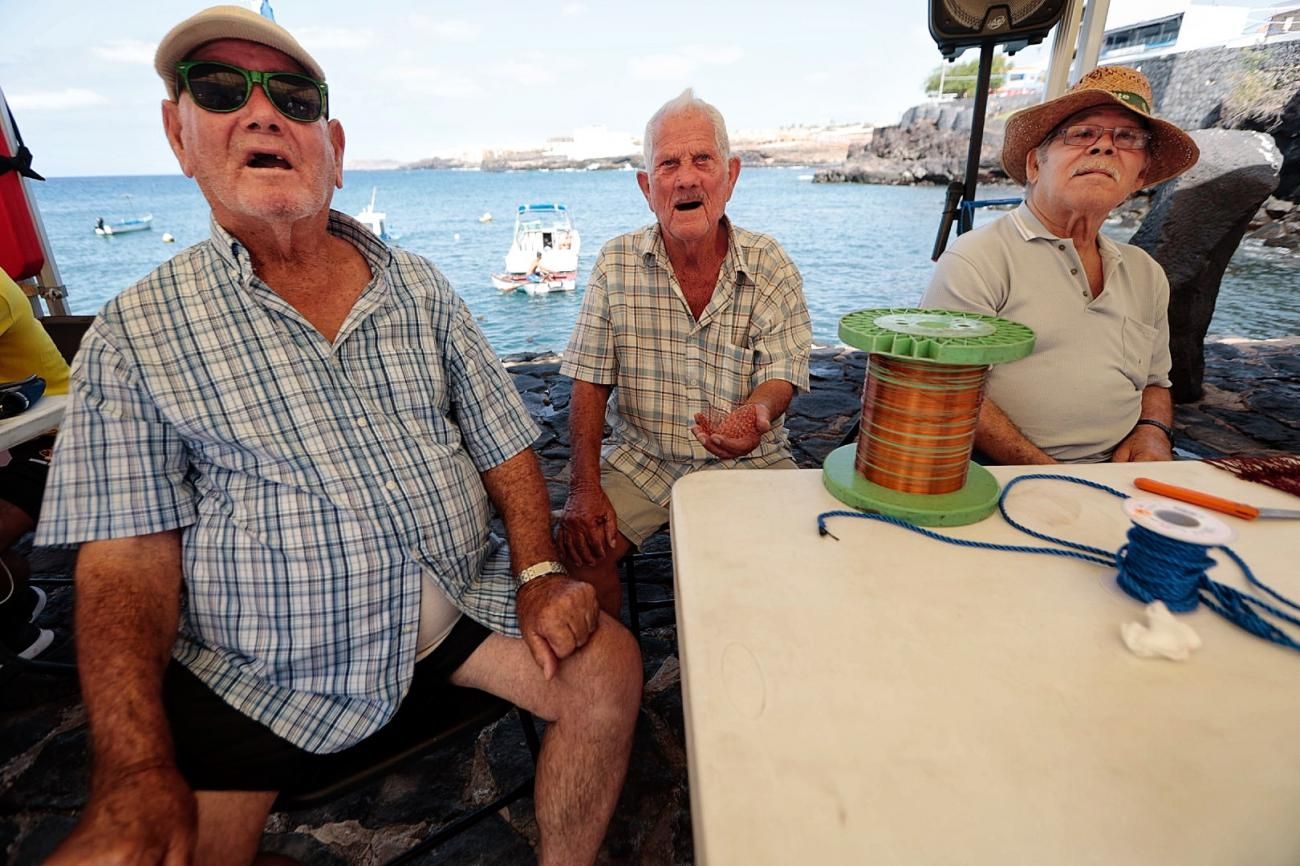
x=315, y=482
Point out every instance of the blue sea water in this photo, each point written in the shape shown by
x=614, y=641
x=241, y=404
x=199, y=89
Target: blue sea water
x=857, y=246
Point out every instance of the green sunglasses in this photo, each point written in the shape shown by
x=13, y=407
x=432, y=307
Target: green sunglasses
x=223, y=88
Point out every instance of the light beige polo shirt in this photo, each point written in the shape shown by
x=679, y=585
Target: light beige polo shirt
x=1080, y=392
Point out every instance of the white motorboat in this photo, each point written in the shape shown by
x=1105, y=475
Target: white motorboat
x=374, y=219
x=103, y=228
x=543, y=256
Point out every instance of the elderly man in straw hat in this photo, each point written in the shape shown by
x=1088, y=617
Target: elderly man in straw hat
x=1096, y=387
x=281, y=456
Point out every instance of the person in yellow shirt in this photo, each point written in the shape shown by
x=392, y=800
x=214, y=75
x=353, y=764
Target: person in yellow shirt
x=25, y=348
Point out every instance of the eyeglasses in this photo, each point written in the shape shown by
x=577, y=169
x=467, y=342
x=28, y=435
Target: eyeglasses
x=223, y=88
x=1086, y=135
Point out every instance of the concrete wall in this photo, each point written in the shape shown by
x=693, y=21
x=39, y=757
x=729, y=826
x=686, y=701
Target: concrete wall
x=1216, y=87
x=1192, y=88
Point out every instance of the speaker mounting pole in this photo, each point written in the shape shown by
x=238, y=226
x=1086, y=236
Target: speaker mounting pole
x=965, y=191
x=976, y=135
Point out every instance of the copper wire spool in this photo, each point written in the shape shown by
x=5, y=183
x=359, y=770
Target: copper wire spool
x=918, y=424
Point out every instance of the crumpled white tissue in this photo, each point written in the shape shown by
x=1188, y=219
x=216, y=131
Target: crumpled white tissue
x=1162, y=637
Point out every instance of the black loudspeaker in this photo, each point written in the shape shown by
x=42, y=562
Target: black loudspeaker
x=959, y=24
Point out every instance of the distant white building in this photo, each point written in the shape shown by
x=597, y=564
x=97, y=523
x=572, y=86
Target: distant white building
x=591, y=142
x=1021, y=80
x=1192, y=24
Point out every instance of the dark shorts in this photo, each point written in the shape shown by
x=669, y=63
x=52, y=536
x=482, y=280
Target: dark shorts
x=22, y=480
x=220, y=749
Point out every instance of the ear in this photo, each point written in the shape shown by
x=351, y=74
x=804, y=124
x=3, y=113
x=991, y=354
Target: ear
x=1031, y=165
x=337, y=142
x=643, y=181
x=171, y=117
x=733, y=174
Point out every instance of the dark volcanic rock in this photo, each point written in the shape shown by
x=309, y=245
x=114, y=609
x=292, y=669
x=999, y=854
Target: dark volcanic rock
x=918, y=153
x=1195, y=224
x=1251, y=403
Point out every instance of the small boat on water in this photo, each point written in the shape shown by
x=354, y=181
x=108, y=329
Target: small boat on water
x=486, y=218
x=103, y=228
x=543, y=255
x=374, y=219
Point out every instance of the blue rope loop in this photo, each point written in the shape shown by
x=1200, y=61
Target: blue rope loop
x=1150, y=567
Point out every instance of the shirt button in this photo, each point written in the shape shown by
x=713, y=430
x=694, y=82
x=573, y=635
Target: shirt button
x=391, y=485
x=1074, y=270
x=1060, y=246
x=361, y=422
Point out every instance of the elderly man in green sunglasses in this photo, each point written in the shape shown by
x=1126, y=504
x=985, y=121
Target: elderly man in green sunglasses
x=281, y=455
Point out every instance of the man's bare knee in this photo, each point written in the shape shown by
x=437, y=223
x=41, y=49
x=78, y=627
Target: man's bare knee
x=606, y=675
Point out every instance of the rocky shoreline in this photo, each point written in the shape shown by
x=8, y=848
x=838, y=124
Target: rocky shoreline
x=1251, y=404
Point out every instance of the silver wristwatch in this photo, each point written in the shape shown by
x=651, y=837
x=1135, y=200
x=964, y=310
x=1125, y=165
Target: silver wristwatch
x=541, y=569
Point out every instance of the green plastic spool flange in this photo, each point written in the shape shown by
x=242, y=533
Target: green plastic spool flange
x=938, y=336
x=971, y=504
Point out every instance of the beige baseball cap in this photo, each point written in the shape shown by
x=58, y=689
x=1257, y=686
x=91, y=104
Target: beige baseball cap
x=226, y=22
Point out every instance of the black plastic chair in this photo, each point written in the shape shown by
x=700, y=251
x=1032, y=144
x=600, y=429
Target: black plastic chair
x=450, y=713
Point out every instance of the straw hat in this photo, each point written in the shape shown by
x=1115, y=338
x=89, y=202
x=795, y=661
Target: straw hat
x=1172, y=151
x=226, y=22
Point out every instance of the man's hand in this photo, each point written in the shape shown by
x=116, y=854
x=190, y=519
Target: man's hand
x=588, y=526
x=1145, y=443
x=556, y=615
x=735, y=435
x=144, y=817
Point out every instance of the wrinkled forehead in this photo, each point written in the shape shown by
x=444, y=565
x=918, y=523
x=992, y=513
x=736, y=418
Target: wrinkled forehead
x=1105, y=115
x=249, y=55
x=690, y=129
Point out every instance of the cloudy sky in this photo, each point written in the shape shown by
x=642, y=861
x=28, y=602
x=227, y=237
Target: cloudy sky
x=411, y=80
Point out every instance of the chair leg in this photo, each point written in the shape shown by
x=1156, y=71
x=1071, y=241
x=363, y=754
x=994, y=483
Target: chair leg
x=530, y=732
x=466, y=821
x=633, y=604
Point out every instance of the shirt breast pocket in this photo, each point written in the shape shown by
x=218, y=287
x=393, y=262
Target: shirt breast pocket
x=731, y=379
x=1139, y=345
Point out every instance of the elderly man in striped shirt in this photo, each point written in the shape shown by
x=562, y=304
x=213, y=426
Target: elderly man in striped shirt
x=280, y=457
x=690, y=318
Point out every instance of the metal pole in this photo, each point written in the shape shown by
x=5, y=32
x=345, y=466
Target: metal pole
x=965, y=220
x=1094, y=28
x=1067, y=35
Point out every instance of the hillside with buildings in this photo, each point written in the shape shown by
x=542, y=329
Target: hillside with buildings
x=595, y=147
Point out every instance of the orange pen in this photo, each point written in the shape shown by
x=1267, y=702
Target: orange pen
x=1214, y=503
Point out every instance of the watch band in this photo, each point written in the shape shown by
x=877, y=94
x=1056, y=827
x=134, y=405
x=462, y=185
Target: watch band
x=1162, y=426
x=541, y=569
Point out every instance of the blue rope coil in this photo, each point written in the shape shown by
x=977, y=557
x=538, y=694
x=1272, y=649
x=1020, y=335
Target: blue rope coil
x=1150, y=567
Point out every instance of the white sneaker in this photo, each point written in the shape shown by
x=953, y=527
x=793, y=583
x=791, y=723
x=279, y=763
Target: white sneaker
x=39, y=606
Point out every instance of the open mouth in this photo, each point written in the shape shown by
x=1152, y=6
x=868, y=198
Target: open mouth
x=268, y=160
x=688, y=205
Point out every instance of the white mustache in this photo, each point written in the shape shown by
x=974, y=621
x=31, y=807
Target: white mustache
x=1097, y=166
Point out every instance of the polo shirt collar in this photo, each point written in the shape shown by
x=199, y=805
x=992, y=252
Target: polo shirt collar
x=1031, y=228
